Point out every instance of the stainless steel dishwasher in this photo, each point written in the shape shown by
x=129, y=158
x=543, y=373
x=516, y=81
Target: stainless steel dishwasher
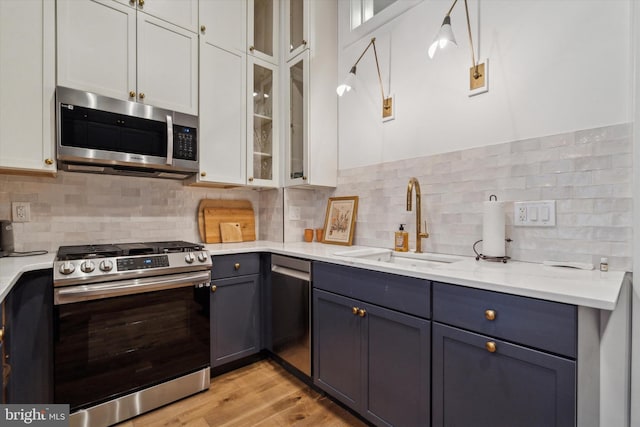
x=291, y=311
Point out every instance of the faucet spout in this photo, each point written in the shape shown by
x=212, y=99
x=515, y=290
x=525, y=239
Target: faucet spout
x=413, y=182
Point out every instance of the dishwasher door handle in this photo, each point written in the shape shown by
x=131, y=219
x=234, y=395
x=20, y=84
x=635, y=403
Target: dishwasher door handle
x=285, y=271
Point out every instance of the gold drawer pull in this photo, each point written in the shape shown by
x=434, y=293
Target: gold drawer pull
x=490, y=314
x=236, y=266
x=490, y=346
x=214, y=288
x=362, y=312
x=354, y=310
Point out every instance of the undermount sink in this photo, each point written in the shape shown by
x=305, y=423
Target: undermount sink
x=409, y=259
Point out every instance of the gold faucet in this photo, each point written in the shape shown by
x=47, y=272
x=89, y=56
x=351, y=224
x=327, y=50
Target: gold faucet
x=413, y=182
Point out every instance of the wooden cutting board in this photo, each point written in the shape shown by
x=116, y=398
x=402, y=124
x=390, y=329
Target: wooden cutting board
x=230, y=232
x=212, y=212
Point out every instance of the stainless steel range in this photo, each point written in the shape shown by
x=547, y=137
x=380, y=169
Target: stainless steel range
x=131, y=328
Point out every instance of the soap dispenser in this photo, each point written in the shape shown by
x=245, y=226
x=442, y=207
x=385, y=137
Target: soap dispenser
x=402, y=240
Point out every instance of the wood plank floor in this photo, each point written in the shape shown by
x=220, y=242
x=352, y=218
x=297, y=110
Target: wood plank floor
x=262, y=394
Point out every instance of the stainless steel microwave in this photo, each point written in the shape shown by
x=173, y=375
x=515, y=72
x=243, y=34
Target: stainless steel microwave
x=98, y=134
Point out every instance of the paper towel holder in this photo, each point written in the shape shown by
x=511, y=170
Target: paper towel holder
x=491, y=258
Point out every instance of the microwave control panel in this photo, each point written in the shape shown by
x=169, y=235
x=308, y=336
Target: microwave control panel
x=185, y=143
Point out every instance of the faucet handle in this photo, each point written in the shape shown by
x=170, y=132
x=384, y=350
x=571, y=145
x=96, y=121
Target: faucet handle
x=425, y=233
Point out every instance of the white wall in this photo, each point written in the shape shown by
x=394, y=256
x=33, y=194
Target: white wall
x=555, y=66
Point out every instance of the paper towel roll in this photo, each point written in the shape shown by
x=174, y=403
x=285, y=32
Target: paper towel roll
x=493, y=233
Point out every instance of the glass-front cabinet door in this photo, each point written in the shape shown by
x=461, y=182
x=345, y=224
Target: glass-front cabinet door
x=263, y=29
x=297, y=120
x=262, y=161
x=296, y=37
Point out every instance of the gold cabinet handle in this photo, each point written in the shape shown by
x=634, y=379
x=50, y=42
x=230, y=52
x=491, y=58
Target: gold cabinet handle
x=304, y=42
x=236, y=266
x=203, y=29
x=203, y=174
x=140, y=3
x=252, y=48
x=2, y=334
x=250, y=179
x=141, y=95
x=490, y=346
x=362, y=312
x=490, y=314
x=354, y=310
x=132, y=94
x=48, y=162
x=304, y=178
x=214, y=288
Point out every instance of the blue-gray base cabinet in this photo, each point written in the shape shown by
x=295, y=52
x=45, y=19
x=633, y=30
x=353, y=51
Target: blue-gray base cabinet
x=373, y=359
x=502, y=360
x=235, y=308
x=28, y=339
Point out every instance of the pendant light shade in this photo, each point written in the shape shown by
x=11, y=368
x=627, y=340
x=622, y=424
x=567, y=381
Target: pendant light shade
x=443, y=38
x=348, y=83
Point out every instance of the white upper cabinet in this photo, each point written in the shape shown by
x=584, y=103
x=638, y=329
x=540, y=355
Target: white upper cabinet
x=167, y=73
x=223, y=93
x=110, y=48
x=311, y=104
x=296, y=29
x=263, y=165
x=262, y=29
x=223, y=23
x=183, y=13
x=27, y=86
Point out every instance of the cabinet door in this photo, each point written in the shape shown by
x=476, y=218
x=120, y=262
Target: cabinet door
x=27, y=85
x=262, y=124
x=29, y=339
x=223, y=115
x=235, y=310
x=398, y=365
x=225, y=24
x=338, y=348
x=262, y=29
x=97, y=47
x=183, y=13
x=167, y=65
x=508, y=386
x=296, y=149
x=296, y=26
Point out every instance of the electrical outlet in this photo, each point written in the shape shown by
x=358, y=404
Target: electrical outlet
x=541, y=213
x=21, y=211
x=294, y=213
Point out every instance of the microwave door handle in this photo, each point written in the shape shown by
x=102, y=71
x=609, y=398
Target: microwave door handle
x=169, y=140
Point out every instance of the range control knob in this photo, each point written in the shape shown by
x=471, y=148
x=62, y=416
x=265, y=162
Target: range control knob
x=87, y=266
x=106, y=265
x=189, y=258
x=202, y=257
x=67, y=267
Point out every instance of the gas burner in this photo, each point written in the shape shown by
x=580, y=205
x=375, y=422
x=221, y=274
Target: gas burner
x=177, y=246
x=68, y=253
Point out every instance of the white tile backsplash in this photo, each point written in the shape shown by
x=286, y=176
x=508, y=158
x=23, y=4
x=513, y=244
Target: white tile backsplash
x=588, y=173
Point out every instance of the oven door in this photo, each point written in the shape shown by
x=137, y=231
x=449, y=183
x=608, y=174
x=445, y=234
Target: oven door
x=113, y=339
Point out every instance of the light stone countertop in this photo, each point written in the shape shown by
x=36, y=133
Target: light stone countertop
x=593, y=288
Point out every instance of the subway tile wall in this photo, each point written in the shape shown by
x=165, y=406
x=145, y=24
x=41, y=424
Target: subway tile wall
x=77, y=208
x=588, y=173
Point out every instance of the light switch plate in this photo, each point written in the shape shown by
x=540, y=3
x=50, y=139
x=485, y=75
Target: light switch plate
x=540, y=213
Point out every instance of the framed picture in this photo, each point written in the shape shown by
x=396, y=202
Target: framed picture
x=339, y=222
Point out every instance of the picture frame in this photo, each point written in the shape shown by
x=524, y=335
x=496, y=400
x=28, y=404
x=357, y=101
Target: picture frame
x=340, y=219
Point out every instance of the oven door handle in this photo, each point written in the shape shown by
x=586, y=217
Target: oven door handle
x=96, y=291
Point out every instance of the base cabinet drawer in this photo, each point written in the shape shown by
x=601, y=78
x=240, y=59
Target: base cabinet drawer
x=546, y=325
x=480, y=381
